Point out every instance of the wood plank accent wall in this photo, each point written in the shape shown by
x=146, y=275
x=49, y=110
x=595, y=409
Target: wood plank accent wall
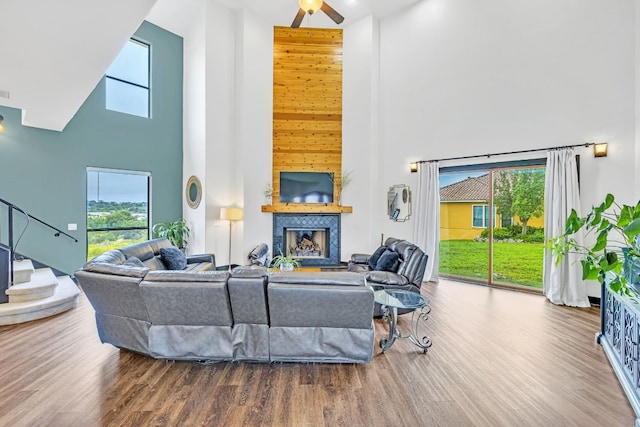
x=307, y=110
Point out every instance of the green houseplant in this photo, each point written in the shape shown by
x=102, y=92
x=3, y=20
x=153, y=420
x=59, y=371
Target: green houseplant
x=284, y=262
x=615, y=255
x=177, y=232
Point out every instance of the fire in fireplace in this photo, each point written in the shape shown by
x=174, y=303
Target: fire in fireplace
x=305, y=243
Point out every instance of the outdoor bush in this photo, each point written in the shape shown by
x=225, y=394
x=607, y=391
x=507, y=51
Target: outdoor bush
x=534, y=234
x=535, y=237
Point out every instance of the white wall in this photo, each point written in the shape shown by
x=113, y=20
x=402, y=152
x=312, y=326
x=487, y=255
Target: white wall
x=228, y=96
x=194, y=129
x=253, y=158
x=461, y=77
x=360, y=137
x=209, y=124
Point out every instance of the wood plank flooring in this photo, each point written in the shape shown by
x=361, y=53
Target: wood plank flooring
x=499, y=358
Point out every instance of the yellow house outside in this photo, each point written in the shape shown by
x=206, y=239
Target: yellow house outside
x=458, y=204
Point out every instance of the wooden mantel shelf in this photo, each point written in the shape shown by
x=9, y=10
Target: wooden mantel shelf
x=306, y=208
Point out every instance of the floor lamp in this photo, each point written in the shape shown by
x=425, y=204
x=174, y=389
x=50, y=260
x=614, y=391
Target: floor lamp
x=230, y=214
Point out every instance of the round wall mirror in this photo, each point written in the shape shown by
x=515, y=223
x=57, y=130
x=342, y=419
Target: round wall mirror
x=193, y=192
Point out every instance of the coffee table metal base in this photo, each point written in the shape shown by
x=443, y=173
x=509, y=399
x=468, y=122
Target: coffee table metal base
x=390, y=314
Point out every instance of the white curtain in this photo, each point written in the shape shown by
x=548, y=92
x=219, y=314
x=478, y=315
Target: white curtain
x=426, y=228
x=562, y=283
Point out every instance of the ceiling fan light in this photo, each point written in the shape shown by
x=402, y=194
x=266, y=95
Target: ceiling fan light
x=310, y=6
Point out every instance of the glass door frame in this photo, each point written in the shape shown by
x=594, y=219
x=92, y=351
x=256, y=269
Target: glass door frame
x=491, y=168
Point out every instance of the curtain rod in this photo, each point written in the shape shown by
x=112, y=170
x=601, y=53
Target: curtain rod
x=588, y=144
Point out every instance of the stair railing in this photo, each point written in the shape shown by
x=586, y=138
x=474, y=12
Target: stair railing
x=4, y=283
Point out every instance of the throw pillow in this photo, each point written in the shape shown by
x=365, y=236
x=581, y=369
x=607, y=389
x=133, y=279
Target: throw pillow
x=373, y=259
x=173, y=258
x=134, y=262
x=389, y=261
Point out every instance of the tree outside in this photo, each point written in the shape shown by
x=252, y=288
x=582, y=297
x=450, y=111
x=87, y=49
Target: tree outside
x=112, y=225
x=519, y=193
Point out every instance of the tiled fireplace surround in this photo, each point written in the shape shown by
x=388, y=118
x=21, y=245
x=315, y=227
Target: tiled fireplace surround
x=320, y=231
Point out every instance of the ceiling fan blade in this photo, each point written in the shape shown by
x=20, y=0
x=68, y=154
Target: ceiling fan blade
x=298, y=19
x=331, y=13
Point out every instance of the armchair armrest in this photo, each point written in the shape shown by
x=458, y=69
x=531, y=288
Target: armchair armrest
x=360, y=258
x=386, y=278
x=194, y=259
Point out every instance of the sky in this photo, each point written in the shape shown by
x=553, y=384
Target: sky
x=116, y=187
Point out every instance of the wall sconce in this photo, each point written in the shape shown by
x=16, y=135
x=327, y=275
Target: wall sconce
x=600, y=150
x=1, y=125
x=230, y=214
x=413, y=166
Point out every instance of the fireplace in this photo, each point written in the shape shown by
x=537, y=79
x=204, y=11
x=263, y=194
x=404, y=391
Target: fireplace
x=313, y=239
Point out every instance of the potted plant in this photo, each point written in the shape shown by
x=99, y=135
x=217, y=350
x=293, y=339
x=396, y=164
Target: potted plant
x=176, y=231
x=285, y=262
x=615, y=255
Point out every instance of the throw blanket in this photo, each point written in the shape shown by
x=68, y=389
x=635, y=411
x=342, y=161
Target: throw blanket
x=259, y=255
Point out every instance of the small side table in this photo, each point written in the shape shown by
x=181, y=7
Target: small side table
x=391, y=300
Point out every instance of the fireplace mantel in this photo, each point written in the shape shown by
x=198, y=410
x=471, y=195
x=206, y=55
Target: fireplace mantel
x=306, y=208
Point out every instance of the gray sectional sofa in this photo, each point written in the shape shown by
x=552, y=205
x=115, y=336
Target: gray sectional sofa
x=201, y=314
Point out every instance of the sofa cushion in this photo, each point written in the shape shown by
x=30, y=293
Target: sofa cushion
x=134, y=262
x=388, y=262
x=329, y=278
x=173, y=258
x=200, y=266
x=373, y=259
x=186, y=276
x=142, y=250
x=113, y=256
x=120, y=270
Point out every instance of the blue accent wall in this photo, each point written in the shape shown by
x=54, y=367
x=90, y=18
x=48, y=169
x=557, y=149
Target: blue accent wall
x=44, y=172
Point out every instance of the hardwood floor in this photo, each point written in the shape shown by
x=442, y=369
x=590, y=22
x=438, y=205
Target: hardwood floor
x=499, y=358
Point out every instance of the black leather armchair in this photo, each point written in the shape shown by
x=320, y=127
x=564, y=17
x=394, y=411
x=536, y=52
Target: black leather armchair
x=407, y=276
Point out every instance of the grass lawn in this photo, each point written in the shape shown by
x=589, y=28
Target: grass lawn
x=96, y=249
x=514, y=263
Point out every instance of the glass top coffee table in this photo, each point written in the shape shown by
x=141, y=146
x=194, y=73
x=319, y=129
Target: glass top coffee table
x=393, y=299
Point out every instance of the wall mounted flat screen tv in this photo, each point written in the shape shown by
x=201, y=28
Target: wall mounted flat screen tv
x=306, y=187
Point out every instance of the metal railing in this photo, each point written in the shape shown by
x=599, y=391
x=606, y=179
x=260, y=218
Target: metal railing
x=6, y=281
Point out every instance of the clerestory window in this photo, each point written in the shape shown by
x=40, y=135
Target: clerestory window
x=127, y=80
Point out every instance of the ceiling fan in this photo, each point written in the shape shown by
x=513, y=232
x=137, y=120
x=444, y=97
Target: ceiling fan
x=312, y=6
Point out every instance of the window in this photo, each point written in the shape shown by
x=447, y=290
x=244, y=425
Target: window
x=127, y=80
x=506, y=221
x=117, y=209
x=481, y=216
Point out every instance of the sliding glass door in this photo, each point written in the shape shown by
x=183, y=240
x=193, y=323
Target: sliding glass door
x=491, y=225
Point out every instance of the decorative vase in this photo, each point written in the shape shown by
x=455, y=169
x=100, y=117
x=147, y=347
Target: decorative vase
x=286, y=267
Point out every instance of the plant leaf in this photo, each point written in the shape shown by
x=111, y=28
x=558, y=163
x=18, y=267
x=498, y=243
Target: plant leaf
x=633, y=229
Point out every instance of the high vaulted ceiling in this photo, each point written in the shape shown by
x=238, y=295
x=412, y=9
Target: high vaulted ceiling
x=53, y=53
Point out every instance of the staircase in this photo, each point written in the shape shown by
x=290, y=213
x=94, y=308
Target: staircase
x=36, y=294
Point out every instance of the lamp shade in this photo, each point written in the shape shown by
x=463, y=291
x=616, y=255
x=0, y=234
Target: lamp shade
x=231, y=214
x=310, y=6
